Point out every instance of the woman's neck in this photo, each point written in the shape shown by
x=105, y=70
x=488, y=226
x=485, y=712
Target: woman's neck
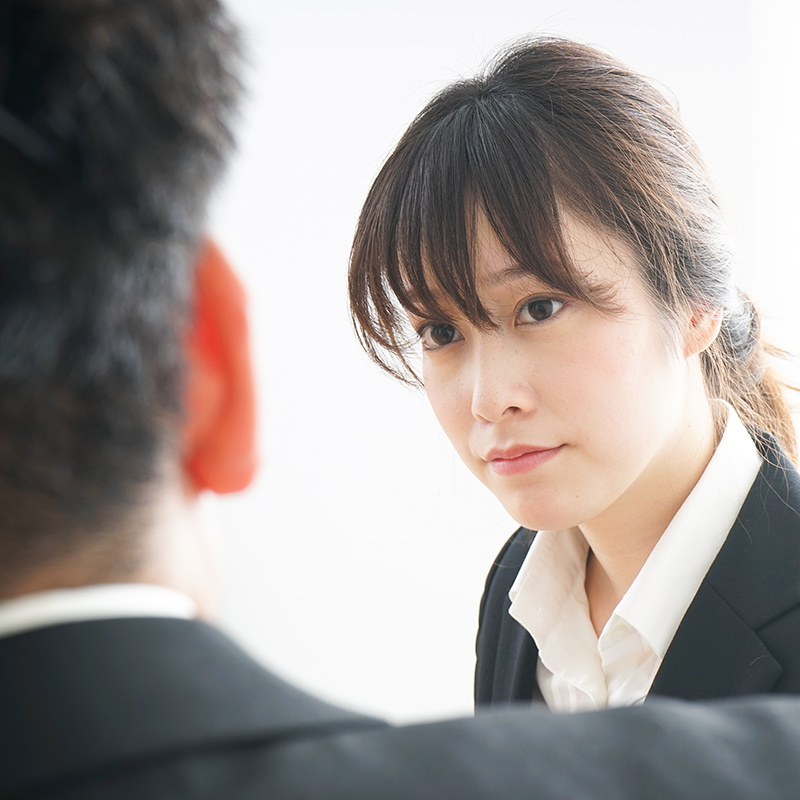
x=623, y=536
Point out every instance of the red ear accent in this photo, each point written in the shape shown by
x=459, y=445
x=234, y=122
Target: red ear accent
x=219, y=433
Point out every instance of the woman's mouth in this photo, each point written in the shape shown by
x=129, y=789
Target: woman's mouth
x=520, y=458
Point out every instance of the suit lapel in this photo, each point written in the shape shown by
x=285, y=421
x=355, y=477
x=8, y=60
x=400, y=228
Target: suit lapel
x=506, y=654
x=87, y=695
x=515, y=679
x=717, y=650
x=714, y=654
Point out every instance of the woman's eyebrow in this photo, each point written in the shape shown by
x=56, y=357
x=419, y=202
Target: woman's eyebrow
x=512, y=273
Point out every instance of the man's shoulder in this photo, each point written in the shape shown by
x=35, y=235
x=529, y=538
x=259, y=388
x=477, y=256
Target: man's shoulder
x=173, y=709
x=98, y=696
x=513, y=754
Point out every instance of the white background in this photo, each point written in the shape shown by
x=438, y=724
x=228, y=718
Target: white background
x=356, y=562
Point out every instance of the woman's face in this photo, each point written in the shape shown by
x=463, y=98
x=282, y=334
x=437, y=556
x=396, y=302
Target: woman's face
x=567, y=413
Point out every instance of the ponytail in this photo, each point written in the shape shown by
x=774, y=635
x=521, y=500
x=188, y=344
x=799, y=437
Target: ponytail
x=736, y=368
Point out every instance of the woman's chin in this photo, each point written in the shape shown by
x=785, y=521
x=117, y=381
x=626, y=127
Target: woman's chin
x=539, y=517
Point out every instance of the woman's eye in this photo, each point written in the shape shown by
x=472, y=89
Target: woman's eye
x=436, y=335
x=540, y=309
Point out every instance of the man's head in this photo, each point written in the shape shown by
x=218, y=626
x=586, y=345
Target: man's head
x=113, y=131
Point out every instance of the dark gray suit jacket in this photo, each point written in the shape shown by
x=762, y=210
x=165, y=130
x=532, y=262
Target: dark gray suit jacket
x=740, y=635
x=157, y=709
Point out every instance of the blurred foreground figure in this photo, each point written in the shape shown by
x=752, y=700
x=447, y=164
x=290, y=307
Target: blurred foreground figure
x=125, y=391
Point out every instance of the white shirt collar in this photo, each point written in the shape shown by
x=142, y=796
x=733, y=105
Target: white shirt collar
x=107, y=601
x=667, y=583
x=549, y=601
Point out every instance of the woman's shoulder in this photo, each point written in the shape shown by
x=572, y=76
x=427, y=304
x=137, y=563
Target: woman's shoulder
x=774, y=498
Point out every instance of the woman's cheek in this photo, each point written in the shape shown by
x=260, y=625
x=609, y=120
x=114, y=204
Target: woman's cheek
x=450, y=407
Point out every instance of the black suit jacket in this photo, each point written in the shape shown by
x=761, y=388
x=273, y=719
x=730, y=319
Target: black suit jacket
x=150, y=709
x=739, y=636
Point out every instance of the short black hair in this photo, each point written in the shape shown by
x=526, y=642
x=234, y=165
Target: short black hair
x=114, y=126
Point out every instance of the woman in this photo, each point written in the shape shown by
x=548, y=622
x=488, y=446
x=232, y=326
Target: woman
x=550, y=234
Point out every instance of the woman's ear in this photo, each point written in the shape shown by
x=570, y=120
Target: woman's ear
x=219, y=451
x=704, y=326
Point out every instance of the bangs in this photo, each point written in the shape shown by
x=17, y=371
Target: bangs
x=415, y=245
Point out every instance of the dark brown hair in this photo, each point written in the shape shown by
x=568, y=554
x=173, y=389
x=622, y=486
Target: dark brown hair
x=113, y=131
x=554, y=125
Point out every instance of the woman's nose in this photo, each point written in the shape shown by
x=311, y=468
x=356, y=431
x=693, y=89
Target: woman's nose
x=501, y=382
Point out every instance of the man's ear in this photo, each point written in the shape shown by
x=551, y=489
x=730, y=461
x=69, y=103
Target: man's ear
x=703, y=329
x=219, y=451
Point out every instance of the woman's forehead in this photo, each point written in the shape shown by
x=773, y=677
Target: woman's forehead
x=596, y=253
x=595, y=257
x=598, y=263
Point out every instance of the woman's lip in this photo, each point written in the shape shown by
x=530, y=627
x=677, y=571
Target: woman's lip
x=516, y=460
